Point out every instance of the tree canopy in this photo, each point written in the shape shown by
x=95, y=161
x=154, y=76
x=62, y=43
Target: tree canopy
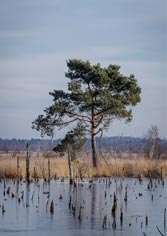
x=72, y=142
x=96, y=95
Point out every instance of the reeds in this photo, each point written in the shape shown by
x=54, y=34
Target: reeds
x=82, y=168
x=38, y=167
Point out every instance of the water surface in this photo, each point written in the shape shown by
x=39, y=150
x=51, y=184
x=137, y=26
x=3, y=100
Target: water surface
x=79, y=211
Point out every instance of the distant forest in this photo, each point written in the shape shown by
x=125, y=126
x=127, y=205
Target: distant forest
x=123, y=144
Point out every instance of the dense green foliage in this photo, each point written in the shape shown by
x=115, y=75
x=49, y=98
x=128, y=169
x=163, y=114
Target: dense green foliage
x=95, y=97
x=73, y=141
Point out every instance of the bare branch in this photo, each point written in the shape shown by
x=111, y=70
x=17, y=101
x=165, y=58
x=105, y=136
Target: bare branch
x=160, y=231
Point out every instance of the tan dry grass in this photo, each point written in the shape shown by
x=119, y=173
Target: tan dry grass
x=133, y=168
x=8, y=166
x=127, y=167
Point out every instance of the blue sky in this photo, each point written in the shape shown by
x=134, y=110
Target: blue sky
x=37, y=37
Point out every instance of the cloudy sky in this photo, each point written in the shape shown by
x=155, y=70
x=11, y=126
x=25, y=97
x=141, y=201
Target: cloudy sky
x=37, y=37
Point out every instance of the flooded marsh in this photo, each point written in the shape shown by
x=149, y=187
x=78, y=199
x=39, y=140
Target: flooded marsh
x=102, y=206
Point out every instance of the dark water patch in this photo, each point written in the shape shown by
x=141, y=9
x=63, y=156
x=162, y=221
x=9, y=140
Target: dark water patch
x=8, y=230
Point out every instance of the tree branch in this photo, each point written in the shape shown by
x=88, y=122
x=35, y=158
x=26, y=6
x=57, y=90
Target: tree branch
x=160, y=231
x=99, y=121
x=79, y=117
x=99, y=130
x=67, y=122
x=102, y=111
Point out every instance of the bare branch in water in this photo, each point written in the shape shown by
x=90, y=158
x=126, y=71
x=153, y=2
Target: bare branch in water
x=160, y=231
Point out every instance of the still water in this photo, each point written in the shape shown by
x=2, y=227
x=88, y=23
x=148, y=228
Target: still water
x=80, y=210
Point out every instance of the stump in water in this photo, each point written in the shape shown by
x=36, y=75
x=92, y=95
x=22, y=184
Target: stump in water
x=80, y=214
x=146, y=220
x=114, y=207
x=27, y=164
x=164, y=217
x=69, y=203
x=126, y=194
x=52, y=207
x=3, y=209
x=114, y=225
x=121, y=216
x=104, y=222
x=8, y=190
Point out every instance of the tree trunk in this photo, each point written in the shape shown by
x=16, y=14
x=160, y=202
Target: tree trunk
x=51, y=145
x=93, y=144
x=93, y=140
x=69, y=164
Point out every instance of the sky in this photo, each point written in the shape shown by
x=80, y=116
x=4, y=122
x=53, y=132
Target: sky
x=38, y=37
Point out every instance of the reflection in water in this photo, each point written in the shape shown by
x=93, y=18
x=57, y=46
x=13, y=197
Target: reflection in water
x=27, y=201
x=17, y=201
x=93, y=205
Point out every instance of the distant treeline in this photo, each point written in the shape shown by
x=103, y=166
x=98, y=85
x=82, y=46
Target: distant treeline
x=123, y=144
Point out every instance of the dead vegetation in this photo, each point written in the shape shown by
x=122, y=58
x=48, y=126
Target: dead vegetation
x=81, y=167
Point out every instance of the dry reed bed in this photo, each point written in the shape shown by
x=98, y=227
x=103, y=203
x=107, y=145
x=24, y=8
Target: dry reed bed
x=133, y=168
x=8, y=167
x=121, y=167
